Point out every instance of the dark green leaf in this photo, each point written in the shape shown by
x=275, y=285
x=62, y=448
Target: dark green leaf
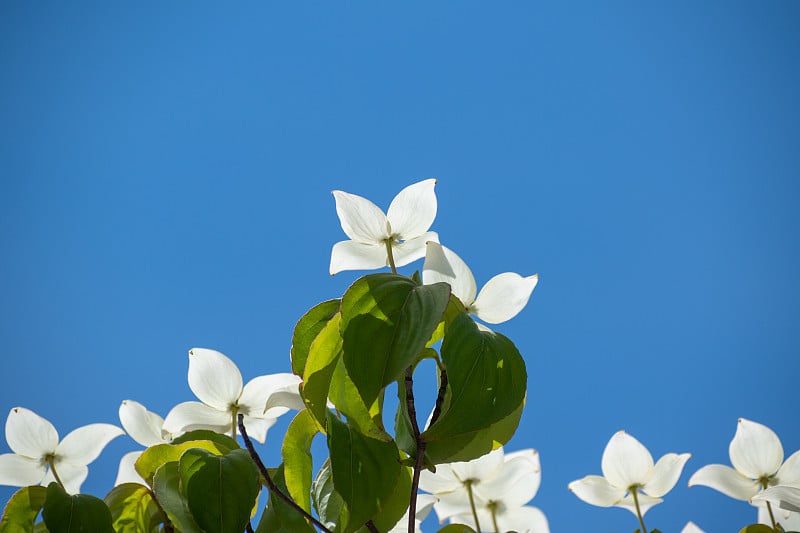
x=329, y=506
x=22, y=509
x=323, y=356
x=224, y=442
x=279, y=516
x=221, y=491
x=156, y=456
x=166, y=487
x=65, y=513
x=757, y=528
x=307, y=329
x=487, y=379
x=345, y=396
x=297, y=463
x=133, y=509
x=387, y=320
x=396, y=505
x=456, y=528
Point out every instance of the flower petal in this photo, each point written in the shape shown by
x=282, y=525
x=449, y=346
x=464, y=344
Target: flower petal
x=645, y=503
x=691, y=527
x=523, y=519
x=726, y=480
x=785, y=497
x=454, y=503
x=412, y=249
x=755, y=450
x=188, y=416
x=72, y=475
x=626, y=461
x=214, y=378
x=444, y=480
x=596, y=490
x=503, y=297
x=352, y=255
x=517, y=481
x=412, y=211
x=361, y=220
x=257, y=427
x=19, y=471
x=127, y=472
x=29, y=434
x=442, y=264
x=267, y=396
x=481, y=469
x=665, y=474
x=83, y=445
x=142, y=425
x=789, y=472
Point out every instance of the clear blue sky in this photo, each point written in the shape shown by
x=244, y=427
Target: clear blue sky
x=165, y=178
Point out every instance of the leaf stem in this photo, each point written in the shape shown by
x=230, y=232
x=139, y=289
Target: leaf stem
x=390, y=256
x=271, y=484
x=635, y=493
x=420, y=444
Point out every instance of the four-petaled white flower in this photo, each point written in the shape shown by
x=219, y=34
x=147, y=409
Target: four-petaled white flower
x=785, y=501
x=217, y=382
x=39, y=457
x=404, y=229
x=628, y=472
x=499, y=300
x=147, y=429
x=499, y=484
x=756, y=454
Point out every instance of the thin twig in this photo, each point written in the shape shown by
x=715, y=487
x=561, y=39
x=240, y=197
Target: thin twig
x=437, y=409
x=420, y=459
x=371, y=526
x=249, y=528
x=271, y=484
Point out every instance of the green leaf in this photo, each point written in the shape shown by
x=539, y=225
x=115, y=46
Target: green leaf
x=279, y=516
x=454, y=309
x=456, y=528
x=224, y=442
x=65, y=513
x=757, y=528
x=387, y=320
x=297, y=462
x=365, y=470
x=486, y=376
x=307, y=329
x=345, y=396
x=156, y=456
x=221, y=491
x=166, y=487
x=396, y=505
x=323, y=356
x=133, y=509
x=329, y=506
x=22, y=509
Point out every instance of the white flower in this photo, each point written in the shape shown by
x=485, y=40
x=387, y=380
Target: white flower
x=757, y=456
x=500, y=485
x=785, y=502
x=424, y=505
x=499, y=300
x=404, y=227
x=39, y=456
x=217, y=382
x=627, y=469
x=691, y=527
x=147, y=429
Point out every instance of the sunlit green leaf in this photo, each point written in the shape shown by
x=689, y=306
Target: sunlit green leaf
x=166, y=487
x=396, y=505
x=22, y=509
x=221, y=490
x=279, y=516
x=387, y=320
x=323, y=356
x=297, y=463
x=345, y=396
x=329, y=506
x=65, y=513
x=133, y=509
x=307, y=329
x=224, y=442
x=156, y=456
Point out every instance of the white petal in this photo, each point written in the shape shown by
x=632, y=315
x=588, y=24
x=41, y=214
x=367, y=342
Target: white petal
x=188, y=416
x=503, y=297
x=83, y=445
x=645, y=503
x=72, y=475
x=665, y=474
x=522, y=519
x=626, y=461
x=517, y=481
x=265, y=393
x=214, y=378
x=361, y=220
x=412, y=249
x=726, y=480
x=352, y=255
x=444, y=480
x=442, y=264
x=691, y=527
x=29, y=434
x=755, y=450
x=142, y=425
x=789, y=472
x=787, y=498
x=480, y=469
x=412, y=211
x=425, y=503
x=19, y=471
x=257, y=427
x=596, y=490
x=453, y=503
x=127, y=472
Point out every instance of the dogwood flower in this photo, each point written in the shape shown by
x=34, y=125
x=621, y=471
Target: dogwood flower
x=147, y=429
x=691, y=527
x=403, y=230
x=39, y=457
x=756, y=454
x=785, y=502
x=217, y=383
x=630, y=479
x=501, y=299
x=491, y=490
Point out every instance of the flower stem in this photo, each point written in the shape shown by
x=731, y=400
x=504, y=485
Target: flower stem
x=234, y=418
x=493, y=507
x=390, y=256
x=635, y=493
x=764, y=485
x=472, y=505
x=52, y=463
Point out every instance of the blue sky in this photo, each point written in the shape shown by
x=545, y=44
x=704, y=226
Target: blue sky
x=165, y=178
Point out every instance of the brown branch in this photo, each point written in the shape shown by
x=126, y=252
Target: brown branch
x=437, y=409
x=420, y=443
